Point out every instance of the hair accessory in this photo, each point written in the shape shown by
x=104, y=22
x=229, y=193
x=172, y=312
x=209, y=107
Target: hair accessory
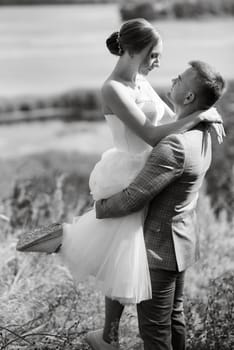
x=118, y=42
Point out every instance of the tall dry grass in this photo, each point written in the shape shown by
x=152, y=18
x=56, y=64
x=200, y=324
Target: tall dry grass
x=40, y=306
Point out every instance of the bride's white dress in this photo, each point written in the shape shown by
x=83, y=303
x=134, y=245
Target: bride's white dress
x=113, y=250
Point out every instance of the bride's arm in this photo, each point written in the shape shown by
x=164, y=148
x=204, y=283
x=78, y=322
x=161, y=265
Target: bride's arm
x=118, y=99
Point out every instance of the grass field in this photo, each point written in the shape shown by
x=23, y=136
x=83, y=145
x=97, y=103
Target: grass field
x=41, y=308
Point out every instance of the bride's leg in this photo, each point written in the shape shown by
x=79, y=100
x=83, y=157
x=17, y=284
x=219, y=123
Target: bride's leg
x=108, y=338
x=113, y=313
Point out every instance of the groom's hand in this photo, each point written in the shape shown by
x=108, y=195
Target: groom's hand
x=164, y=165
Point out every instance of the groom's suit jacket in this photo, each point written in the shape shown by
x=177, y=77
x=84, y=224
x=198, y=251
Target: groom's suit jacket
x=169, y=185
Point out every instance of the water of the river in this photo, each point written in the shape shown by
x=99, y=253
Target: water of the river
x=50, y=49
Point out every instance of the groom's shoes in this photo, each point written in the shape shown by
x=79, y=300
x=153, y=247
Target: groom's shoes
x=46, y=239
x=96, y=342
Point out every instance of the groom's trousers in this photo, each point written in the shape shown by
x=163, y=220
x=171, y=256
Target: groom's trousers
x=161, y=319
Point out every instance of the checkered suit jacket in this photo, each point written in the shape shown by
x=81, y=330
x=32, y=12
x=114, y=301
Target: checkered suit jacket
x=169, y=185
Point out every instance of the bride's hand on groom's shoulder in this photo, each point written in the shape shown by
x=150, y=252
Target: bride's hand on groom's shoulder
x=210, y=115
x=215, y=120
x=219, y=131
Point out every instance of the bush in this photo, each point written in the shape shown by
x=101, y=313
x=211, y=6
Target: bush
x=187, y=9
x=209, y=303
x=220, y=184
x=73, y=105
x=150, y=10
x=198, y=8
x=216, y=245
x=210, y=324
x=54, y=2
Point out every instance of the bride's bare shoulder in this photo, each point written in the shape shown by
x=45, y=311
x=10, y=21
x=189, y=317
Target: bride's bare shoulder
x=116, y=92
x=113, y=86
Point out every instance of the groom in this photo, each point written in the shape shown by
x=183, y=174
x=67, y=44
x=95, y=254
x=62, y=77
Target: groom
x=169, y=185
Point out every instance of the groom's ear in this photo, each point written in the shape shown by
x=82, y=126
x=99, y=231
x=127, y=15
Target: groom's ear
x=189, y=97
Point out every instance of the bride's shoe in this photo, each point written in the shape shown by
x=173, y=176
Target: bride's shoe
x=96, y=342
x=46, y=239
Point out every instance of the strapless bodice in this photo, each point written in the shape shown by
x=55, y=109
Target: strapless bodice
x=124, y=138
x=120, y=165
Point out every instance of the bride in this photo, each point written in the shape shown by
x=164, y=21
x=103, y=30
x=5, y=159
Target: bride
x=113, y=250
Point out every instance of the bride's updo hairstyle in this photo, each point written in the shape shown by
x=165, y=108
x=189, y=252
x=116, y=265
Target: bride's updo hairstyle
x=134, y=36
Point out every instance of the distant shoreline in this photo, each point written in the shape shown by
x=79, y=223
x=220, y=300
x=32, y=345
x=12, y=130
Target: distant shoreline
x=54, y=2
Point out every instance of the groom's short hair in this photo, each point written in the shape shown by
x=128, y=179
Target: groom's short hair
x=210, y=84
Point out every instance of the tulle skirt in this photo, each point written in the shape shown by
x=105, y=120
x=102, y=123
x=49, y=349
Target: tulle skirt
x=111, y=250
